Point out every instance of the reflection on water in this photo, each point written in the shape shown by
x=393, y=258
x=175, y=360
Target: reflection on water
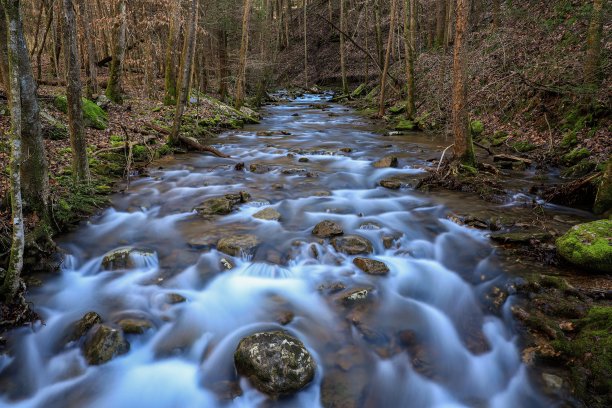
x=421, y=338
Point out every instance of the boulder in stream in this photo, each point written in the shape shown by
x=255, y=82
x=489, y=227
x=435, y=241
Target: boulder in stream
x=275, y=362
x=124, y=258
x=269, y=214
x=352, y=245
x=588, y=246
x=82, y=326
x=237, y=245
x=103, y=343
x=391, y=184
x=371, y=266
x=388, y=161
x=135, y=326
x=327, y=229
x=222, y=205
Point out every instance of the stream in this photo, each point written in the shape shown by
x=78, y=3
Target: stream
x=425, y=336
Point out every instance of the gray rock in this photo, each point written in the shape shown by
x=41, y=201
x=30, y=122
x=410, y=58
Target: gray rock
x=258, y=168
x=355, y=296
x=275, y=362
x=352, y=245
x=371, y=266
x=222, y=205
x=327, y=229
x=104, y=343
x=389, y=161
x=238, y=244
x=269, y=214
x=124, y=258
x=552, y=382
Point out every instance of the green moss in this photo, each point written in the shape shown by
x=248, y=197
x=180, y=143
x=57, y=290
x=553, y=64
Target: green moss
x=373, y=93
x=499, y=138
x=569, y=140
x=116, y=138
x=397, y=108
x=469, y=170
x=588, y=246
x=603, y=200
x=476, y=127
x=590, y=353
x=93, y=115
x=140, y=153
x=359, y=91
x=579, y=170
x=405, y=125
x=575, y=156
x=523, y=146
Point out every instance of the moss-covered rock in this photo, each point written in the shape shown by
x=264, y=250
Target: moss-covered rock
x=398, y=108
x=104, y=343
x=583, y=168
x=94, y=116
x=476, y=127
x=603, y=200
x=575, y=156
x=523, y=146
x=569, y=140
x=499, y=138
x=359, y=91
x=53, y=129
x=588, y=246
x=405, y=125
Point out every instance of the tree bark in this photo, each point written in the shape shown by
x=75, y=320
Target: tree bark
x=379, y=36
x=12, y=278
x=463, y=148
x=305, y=49
x=186, y=64
x=409, y=29
x=170, y=74
x=440, y=23
x=345, y=89
x=5, y=79
x=383, y=79
x=113, y=89
x=244, y=48
x=593, y=52
x=92, y=67
x=222, y=51
x=78, y=141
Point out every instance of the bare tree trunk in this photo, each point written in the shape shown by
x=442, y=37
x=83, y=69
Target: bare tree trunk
x=92, y=67
x=12, y=279
x=593, y=52
x=409, y=29
x=450, y=7
x=305, y=49
x=379, y=36
x=383, y=79
x=5, y=79
x=222, y=45
x=345, y=89
x=172, y=54
x=186, y=65
x=78, y=141
x=495, y=10
x=244, y=48
x=463, y=149
x=50, y=14
x=113, y=89
x=440, y=22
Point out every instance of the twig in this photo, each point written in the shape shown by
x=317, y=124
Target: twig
x=442, y=157
x=483, y=147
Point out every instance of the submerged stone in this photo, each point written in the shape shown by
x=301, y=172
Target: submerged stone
x=327, y=229
x=352, y=245
x=103, y=343
x=391, y=184
x=238, y=244
x=275, y=362
x=356, y=296
x=588, y=246
x=389, y=161
x=269, y=214
x=135, y=326
x=124, y=258
x=371, y=266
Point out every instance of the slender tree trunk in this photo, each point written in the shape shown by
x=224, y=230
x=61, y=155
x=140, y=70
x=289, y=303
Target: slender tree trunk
x=450, y=7
x=172, y=54
x=50, y=14
x=409, y=28
x=593, y=52
x=383, y=79
x=464, y=150
x=244, y=48
x=495, y=11
x=186, y=65
x=78, y=141
x=113, y=89
x=379, y=37
x=12, y=278
x=305, y=49
x=222, y=45
x=92, y=67
x=5, y=79
x=345, y=88
x=440, y=23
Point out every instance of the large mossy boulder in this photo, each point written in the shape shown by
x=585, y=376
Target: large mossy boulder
x=275, y=362
x=588, y=246
x=603, y=200
x=103, y=343
x=93, y=115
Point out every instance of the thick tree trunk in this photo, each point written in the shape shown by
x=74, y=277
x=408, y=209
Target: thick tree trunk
x=78, y=141
x=244, y=48
x=409, y=29
x=113, y=89
x=463, y=149
x=593, y=52
x=440, y=23
x=92, y=67
x=172, y=54
x=186, y=64
x=383, y=79
x=345, y=89
x=12, y=278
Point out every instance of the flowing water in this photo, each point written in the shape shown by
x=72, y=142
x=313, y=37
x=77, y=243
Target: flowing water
x=424, y=337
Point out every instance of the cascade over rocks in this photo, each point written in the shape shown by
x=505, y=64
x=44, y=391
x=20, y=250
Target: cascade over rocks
x=103, y=343
x=124, y=258
x=275, y=362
